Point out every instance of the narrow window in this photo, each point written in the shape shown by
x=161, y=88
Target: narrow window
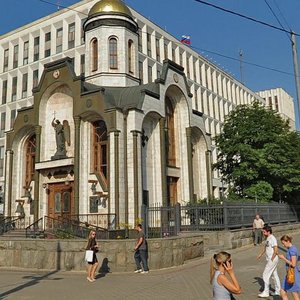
x=24, y=85
x=14, y=89
x=16, y=55
x=113, y=53
x=94, y=55
x=25, y=53
x=71, y=36
x=170, y=133
x=4, y=91
x=130, y=56
x=47, y=44
x=36, y=48
x=12, y=117
x=5, y=61
x=100, y=148
x=59, y=40
x=3, y=121
x=82, y=64
x=35, y=78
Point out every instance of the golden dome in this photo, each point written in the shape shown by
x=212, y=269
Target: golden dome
x=107, y=6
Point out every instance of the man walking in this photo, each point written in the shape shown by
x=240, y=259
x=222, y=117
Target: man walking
x=141, y=254
x=258, y=225
x=271, y=250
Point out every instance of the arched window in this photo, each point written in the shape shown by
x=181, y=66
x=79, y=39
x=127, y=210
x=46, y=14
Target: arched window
x=130, y=56
x=170, y=134
x=30, y=160
x=113, y=53
x=100, y=148
x=94, y=55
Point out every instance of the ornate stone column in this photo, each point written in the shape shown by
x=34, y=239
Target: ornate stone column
x=36, y=198
x=163, y=161
x=190, y=162
x=209, y=174
x=76, y=164
x=136, y=134
x=117, y=177
x=8, y=184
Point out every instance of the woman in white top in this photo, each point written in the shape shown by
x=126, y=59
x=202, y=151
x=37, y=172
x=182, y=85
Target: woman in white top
x=222, y=277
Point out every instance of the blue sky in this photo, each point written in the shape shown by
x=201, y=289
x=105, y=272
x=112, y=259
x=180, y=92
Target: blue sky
x=210, y=30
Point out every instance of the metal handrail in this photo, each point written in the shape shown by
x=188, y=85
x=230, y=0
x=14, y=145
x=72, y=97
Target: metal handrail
x=8, y=223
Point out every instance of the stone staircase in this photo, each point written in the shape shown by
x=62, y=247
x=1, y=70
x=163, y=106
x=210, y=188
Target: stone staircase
x=14, y=234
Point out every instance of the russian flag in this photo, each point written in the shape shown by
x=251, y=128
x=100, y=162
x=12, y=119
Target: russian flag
x=186, y=40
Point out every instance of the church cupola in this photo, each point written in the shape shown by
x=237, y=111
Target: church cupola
x=111, y=38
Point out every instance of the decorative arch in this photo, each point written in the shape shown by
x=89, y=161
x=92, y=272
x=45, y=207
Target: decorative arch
x=199, y=149
x=177, y=120
x=151, y=156
x=94, y=55
x=113, y=52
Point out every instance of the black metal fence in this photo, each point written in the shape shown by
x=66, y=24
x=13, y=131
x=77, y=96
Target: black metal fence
x=169, y=221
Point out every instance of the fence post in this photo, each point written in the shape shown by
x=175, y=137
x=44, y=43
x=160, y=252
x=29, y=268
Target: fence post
x=177, y=218
x=225, y=213
x=144, y=215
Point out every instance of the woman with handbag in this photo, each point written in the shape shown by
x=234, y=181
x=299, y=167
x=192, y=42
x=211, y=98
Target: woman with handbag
x=291, y=283
x=93, y=264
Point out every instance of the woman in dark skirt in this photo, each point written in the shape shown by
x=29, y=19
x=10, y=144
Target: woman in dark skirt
x=92, y=266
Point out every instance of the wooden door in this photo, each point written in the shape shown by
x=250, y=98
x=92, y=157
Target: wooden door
x=172, y=190
x=61, y=200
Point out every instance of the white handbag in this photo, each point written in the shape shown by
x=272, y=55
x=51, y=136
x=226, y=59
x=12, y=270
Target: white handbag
x=89, y=254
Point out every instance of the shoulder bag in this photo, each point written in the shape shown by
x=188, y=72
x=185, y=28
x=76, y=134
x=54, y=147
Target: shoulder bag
x=290, y=275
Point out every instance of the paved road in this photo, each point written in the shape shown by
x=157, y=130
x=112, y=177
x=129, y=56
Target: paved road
x=190, y=281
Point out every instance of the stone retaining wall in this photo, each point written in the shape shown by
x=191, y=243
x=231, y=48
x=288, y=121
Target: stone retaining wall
x=117, y=255
x=114, y=255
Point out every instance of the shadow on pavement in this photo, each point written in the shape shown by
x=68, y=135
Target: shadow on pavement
x=34, y=279
x=104, y=268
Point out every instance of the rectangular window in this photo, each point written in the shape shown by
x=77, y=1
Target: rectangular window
x=1, y=161
x=82, y=64
x=47, y=44
x=5, y=61
x=276, y=103
x=157, y=50
x=165, y=50
x=270, y=102
x=59, y=37
x=149, y=74
x=35, y=78
x=173, y=54
x=188, y=68
x=14, y=89
x=141, y=71
x=94, y=204
x=140, y=41
x=36, y=48
x=15, y=57
x=71, y=36
x=2, y=125
x=4, y=91
x=12, y=117
x=25, y=53
x=24, y=85
x=149, y=44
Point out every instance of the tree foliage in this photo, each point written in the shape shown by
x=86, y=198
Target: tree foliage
x=258, y=153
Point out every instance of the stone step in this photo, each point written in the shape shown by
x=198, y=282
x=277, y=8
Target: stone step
x=16, y=233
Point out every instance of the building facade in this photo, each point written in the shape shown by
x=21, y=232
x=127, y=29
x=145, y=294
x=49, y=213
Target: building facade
x=103, y=111
x=279, y=100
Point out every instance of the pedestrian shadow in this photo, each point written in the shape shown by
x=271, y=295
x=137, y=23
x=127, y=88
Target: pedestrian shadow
x=33, y=280
x=104, y=268
x=260, y=282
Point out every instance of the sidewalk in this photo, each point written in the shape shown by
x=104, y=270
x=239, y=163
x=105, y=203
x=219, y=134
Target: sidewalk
x=190, y=281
